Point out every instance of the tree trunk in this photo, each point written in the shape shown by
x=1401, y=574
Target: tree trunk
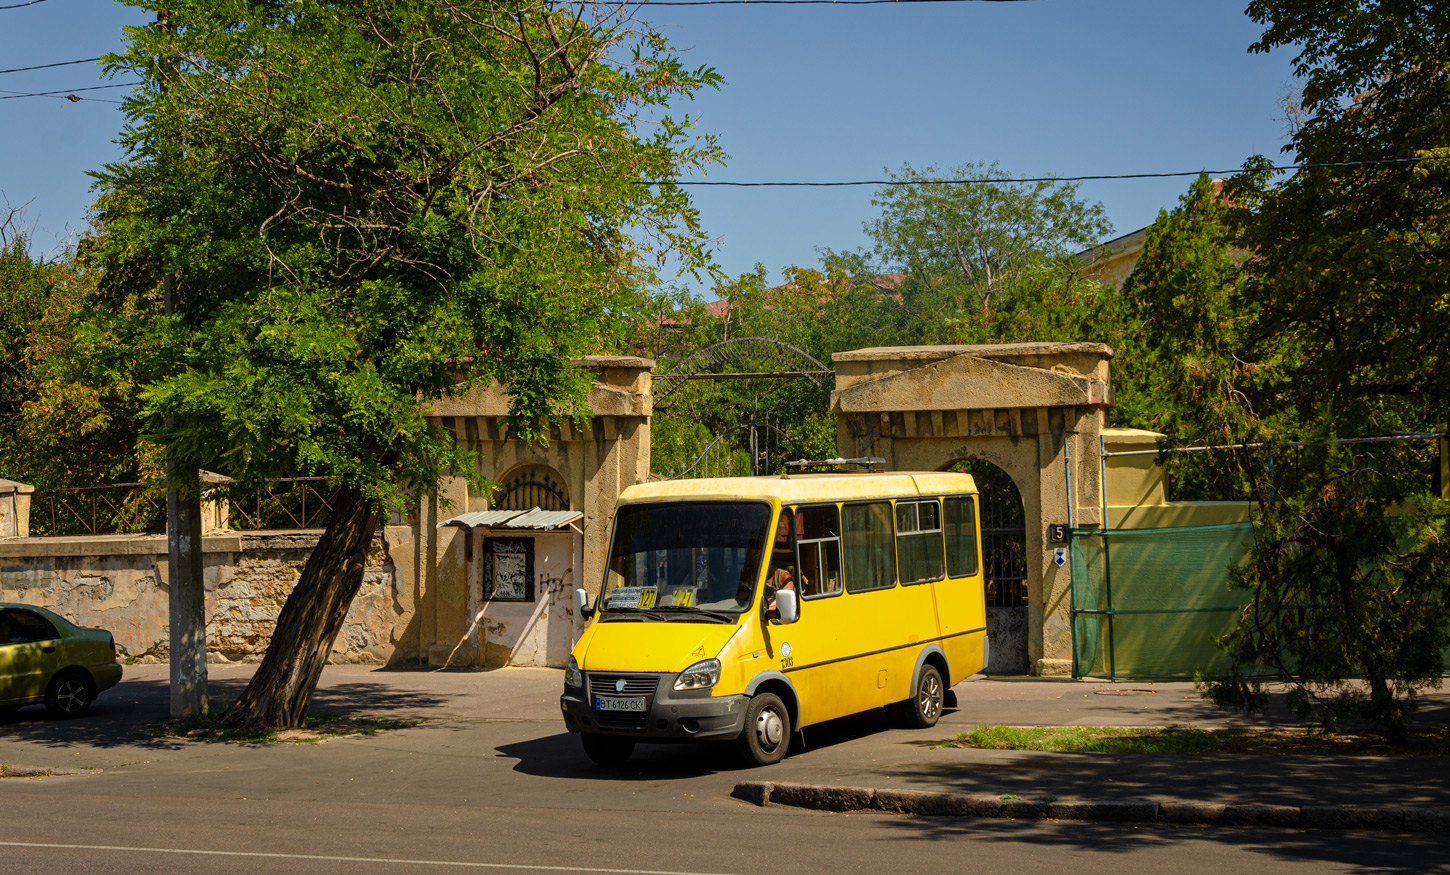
x=311, y=619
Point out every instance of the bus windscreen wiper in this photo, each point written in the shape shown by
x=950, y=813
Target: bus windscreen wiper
x=722, y=616
x=652, y=615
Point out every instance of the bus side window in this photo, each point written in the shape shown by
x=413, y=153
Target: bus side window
x=960, y=522
x=868, y=546
x=919, y=541
x=820, y=550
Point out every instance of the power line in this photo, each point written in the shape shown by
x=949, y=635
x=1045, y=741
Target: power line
x=996, y=180
x=13, y=95
x=44, y=66
x=21, y=5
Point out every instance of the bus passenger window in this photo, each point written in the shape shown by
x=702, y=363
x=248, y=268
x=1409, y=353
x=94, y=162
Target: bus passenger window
x=869, y=556
x=961, y=532
x=820, y=551
x=918, y=540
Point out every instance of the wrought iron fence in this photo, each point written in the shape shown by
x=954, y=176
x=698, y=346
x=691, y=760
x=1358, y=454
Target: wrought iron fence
x=288, y=503
x=114, y=509
x=140, y=508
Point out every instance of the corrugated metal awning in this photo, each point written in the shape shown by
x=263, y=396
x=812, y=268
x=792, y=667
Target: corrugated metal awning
x=534, y=518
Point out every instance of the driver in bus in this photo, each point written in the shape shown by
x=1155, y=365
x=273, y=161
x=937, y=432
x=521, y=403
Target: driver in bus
x=782, y=560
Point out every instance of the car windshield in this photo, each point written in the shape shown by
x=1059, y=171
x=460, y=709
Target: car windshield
x=684, y=561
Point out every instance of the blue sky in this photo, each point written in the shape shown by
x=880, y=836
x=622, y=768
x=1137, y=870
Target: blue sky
x=814, y=93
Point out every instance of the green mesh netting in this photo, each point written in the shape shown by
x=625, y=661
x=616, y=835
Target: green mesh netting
x=1148, y=605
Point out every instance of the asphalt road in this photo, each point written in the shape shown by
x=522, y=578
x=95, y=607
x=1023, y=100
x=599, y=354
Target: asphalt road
x=491, y=782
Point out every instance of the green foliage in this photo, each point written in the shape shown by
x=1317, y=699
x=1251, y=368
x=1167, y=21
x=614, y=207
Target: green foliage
x=982, y=264
x=1349, y=603
x=982, y=260
x=357, y=206
x=1349, y=266
x=1176, y=740
x=26, y=288
x=1343, y=328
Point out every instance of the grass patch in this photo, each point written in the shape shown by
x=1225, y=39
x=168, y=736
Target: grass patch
x=1117, y=739
x=316, y=728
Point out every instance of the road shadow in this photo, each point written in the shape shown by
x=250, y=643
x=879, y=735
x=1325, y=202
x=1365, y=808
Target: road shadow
x=561, y=755
x=127, y=714
x=1359, y=851
x=1268, y=779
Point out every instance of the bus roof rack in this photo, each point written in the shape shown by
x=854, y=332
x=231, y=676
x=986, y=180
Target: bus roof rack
x=864, y=461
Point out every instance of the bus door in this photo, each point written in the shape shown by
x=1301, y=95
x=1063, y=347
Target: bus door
x=823, y=636
x=921, y=568
x=960, y=599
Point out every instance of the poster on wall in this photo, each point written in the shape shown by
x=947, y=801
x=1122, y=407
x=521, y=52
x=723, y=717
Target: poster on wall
x=509, y=569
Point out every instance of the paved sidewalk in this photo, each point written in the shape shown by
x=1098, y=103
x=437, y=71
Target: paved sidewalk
x=861, y=751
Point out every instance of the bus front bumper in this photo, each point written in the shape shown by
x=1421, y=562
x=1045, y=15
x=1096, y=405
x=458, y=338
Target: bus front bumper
x=672, y=716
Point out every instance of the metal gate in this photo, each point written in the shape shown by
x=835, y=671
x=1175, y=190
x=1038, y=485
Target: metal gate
x=752, y=448
x=1004, y=553
x=745, y=406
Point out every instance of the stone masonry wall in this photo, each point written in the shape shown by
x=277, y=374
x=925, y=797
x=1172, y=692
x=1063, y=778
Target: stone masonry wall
x=118, y=583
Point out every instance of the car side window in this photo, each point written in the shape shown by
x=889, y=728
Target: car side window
x=23, y=627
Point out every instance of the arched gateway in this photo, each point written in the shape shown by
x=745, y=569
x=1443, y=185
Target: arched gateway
x=1035, y=410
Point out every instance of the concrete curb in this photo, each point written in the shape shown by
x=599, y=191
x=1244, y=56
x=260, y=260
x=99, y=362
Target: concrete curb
x=12, y=771
x=937, y=804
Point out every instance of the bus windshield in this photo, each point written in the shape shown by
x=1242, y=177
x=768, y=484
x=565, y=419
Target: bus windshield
x=685, y=560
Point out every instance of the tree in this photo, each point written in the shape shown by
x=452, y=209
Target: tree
x=979, y=250
x=1343, y=293
x=364, y=205
x=1349, y=259
x=1349, y=598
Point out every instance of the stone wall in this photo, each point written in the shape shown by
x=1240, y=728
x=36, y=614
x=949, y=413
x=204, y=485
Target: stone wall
x=119, y=583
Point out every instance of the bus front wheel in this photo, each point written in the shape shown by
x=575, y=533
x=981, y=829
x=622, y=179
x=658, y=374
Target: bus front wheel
x=767, y=731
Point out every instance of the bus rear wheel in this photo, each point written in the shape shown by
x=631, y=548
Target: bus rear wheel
x=766, y=735
x=606, y=750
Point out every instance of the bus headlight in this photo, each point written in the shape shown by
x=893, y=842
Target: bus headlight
x=700, y=676
x=573, y=677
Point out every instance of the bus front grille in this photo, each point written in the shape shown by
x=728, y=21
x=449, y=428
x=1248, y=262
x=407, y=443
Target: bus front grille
x=607, y=684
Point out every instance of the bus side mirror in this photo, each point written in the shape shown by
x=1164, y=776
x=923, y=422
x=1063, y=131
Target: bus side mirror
x=581, y=603
x=787, y=609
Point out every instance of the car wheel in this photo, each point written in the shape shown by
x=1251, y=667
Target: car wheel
x=924, y=708
x=70, y=694
x=766, y=735
x=606, y=750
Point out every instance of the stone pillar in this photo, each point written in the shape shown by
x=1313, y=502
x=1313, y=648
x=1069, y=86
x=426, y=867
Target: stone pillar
x=216, y=509
x=15, y=509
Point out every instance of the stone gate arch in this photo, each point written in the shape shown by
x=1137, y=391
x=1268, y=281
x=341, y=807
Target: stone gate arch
x=1033, y=409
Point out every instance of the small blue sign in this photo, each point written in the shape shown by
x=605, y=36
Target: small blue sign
x=1059, y=556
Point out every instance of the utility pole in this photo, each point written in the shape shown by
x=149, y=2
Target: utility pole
x=187, y=595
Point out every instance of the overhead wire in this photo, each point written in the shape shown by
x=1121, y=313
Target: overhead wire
x=21, y=5
x=14, y=95
x=1008, y=180
x=46, y=66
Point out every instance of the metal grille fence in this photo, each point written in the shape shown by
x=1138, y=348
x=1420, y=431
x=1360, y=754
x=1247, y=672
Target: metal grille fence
x=1147, y=602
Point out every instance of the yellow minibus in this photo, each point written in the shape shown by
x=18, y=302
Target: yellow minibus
x=746, y=608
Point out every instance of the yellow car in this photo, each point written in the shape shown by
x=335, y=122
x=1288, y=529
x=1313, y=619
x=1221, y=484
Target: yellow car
x=46, y=658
